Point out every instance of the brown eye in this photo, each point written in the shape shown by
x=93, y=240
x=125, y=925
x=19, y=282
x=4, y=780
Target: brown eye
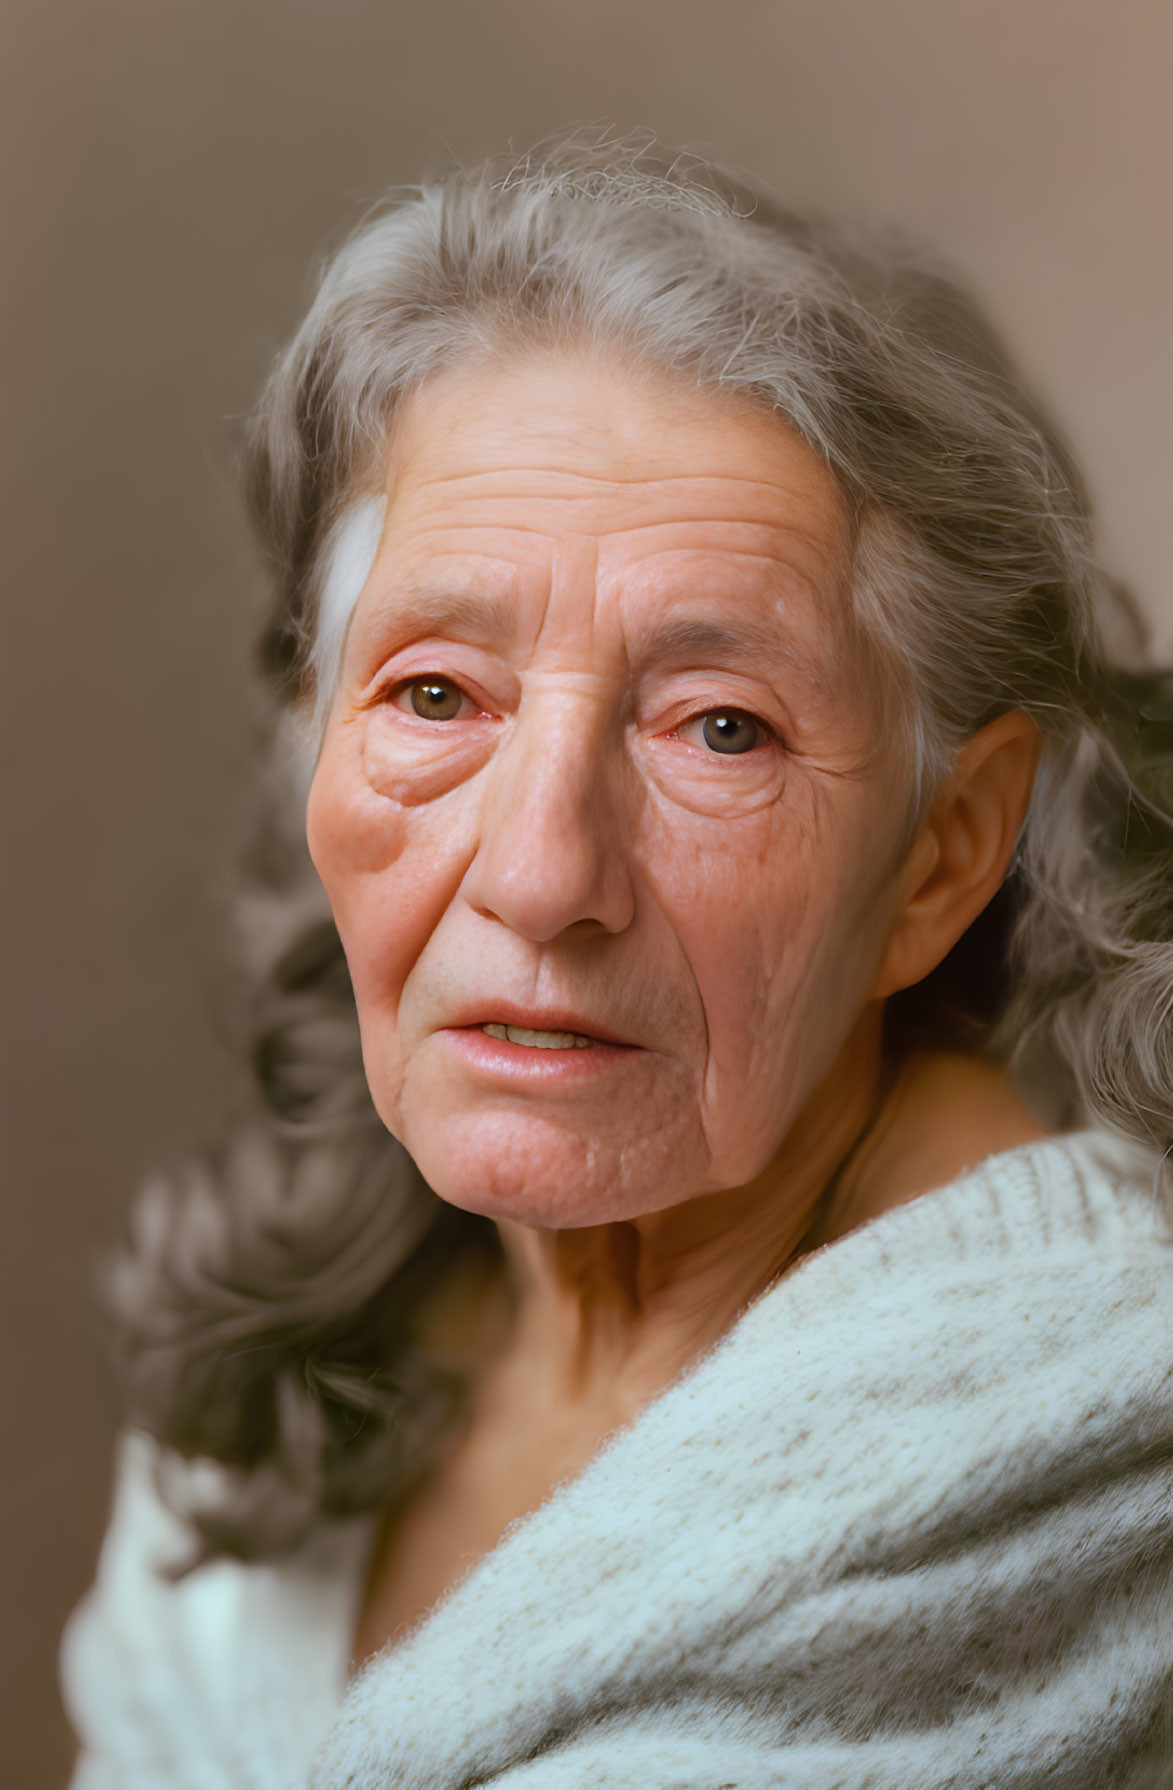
x=435, y=700
x=729, y=730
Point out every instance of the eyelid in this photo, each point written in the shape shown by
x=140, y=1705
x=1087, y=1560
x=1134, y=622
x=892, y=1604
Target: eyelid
x=412, y=661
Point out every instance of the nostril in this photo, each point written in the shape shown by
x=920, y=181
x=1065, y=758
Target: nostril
x=551, y=889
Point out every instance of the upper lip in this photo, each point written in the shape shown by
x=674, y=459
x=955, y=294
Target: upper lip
x=534, y=1019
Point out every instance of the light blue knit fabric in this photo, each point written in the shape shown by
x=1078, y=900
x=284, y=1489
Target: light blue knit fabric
x=908, y=1526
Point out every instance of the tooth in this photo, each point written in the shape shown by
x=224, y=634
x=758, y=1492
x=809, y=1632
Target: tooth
x=539, y=1040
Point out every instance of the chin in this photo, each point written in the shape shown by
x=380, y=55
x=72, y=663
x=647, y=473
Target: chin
x=534, y=1170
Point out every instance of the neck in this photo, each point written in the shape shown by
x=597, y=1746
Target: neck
x=605, y=1316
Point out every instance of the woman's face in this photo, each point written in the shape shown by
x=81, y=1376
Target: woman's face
x=602, y=808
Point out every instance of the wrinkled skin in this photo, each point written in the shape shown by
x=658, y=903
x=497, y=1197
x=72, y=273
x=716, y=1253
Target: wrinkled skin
x=590, y=580
x=591, y=562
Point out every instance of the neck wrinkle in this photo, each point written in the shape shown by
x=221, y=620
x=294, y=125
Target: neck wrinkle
x=630, y=1304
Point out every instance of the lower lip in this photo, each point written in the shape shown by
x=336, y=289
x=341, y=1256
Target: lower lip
x=530, y=1063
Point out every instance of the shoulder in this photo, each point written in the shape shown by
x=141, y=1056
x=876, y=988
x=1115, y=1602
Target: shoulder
x=173, y=1676
x=126, y=1645
x=928, y=1473
x=1031, y=1285
x=1085, y=1193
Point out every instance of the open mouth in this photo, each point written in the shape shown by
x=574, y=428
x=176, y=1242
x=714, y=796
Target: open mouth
x=555, y=1054
x=540, y=1040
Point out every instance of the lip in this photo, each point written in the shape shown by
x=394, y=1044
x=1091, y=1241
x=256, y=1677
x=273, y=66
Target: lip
x=497, y=1063
x=500, y=1064
x=535, y=1019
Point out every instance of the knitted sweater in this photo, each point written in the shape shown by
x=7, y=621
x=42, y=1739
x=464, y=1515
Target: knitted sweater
x=909, y=1525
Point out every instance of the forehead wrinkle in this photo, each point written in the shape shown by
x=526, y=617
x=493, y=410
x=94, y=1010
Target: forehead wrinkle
x=445, y=524
x=575, y=566
x=467, y=512
x=565, y=477
x=706, y=611
x=706, y=567
x=558, y=491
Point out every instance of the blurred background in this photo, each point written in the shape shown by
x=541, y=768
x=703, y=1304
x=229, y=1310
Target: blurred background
x=174, y=171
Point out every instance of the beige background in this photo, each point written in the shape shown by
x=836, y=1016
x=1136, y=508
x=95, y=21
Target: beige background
x=175, y=167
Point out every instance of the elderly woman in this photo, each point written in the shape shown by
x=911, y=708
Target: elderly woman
x=739, y=1351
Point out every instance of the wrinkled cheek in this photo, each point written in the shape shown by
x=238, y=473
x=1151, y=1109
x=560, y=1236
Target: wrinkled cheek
x=389, y=873
x=353, y=831
x=761, y=912
x=766, y=1023
x=816, y=956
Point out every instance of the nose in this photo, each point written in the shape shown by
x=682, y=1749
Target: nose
x=552, y=851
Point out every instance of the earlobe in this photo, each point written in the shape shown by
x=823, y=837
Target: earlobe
x=962, y=854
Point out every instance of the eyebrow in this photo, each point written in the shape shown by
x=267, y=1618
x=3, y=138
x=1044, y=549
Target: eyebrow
x=443, y=611
x=687, y=638
x=488, y=615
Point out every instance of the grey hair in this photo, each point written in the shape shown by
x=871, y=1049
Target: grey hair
x=266, y=1302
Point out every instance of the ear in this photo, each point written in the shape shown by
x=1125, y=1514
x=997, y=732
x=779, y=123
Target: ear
x=962, y=853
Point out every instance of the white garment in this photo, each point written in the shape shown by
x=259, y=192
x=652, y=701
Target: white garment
x=908, y=1526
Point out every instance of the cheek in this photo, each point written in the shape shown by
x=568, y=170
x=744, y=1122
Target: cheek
x=389, y=873
x=782, y=940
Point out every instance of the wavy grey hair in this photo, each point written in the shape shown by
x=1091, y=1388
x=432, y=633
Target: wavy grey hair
x=266, y=1304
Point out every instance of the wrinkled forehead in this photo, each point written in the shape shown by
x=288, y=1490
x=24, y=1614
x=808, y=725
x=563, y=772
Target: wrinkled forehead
x=657, y=482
